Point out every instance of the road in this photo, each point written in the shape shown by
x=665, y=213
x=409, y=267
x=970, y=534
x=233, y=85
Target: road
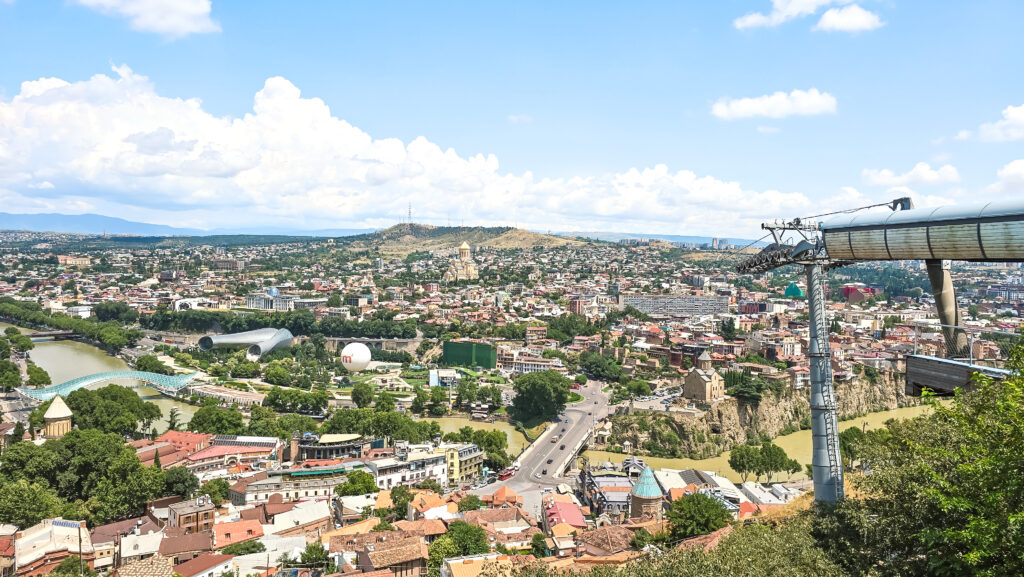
x=534, y=461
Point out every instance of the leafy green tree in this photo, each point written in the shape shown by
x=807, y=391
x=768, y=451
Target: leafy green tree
x=217, y=421
x=357, y=483
x=581, y=380
x=401, y=496
x=540, y=395
x=37, y=376
x=25, y=504
x=174, y=419
x=468, y=539
x=539, y=545
x=151, y=364
x=217, y=489
x=442, y=548
x=697, y=514
x=72, y=567
x=385, y=403
x=418, y=402
x=728, y=330
x=438, y=401
x=180, y=481
x=430, y=485
x=470, y=503
x=362, y=394
x=772, y=459
x=945, y=494
x=744, y=460
x=315, y=556
x=849, y=445
x=126, y=489
x=244, y=548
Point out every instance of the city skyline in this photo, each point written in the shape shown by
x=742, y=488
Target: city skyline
x=687, y=120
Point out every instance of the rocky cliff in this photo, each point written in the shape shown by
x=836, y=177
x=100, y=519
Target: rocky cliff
x=731, y=422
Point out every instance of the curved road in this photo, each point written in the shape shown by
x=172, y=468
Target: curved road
x=534, y=461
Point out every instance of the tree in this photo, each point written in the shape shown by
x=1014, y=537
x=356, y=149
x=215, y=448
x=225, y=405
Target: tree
x=539, y=545
x=849, y=445
x=419, y=400
x=357, y=483
x=540, y=395
x=217, y=489
x=25, y=504
x=438, y=401
x=72, y=567
x=744, y=460
x=180, y=481
x=728, y=330
x=697, y=514
x=174, y=419
x=151, y=364
x=401, y=496
x=430, y=485
x=470, y=503
x=772, y=459
x=944, y=495
x=468, y=539
x=334, y=301
x=217, y=421
x=385, y=403
x=973, y=312
x=244, y=548
x=442, y=548
x=581, y=380
x=362, y=394
x=315, y=556
x=37, y=376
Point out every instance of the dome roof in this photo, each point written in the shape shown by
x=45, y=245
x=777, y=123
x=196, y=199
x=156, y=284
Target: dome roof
x=58, y=409
x=647, y=487
x=464, y=245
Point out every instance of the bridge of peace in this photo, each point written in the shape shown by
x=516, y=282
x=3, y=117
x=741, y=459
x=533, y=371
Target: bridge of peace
x=166, y=384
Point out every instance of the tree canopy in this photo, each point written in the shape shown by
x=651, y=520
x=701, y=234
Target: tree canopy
x=540, y=395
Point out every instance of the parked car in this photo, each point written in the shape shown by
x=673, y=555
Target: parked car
x=536, y=475
x=544, y=472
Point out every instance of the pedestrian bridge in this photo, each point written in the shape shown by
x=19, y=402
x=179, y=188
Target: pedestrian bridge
x=164, y=383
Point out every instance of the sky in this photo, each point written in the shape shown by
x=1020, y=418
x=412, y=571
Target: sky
x=688, y=118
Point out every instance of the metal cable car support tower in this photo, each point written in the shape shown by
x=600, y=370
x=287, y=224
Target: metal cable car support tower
x=810, y=252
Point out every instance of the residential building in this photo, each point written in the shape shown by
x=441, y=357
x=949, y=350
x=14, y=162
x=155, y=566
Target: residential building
x=465, y=462
x=206, y=565
x=192, y=516
x=409, y=469
x=676, y=305
x=40, y=548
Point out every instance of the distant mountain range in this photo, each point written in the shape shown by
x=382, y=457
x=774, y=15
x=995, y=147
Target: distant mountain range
x=697, y=240
x=99, y=224
x=434, y=236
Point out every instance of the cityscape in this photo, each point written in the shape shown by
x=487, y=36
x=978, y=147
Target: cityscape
x=263, y=343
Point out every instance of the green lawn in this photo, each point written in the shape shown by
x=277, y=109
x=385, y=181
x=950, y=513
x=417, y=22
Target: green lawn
x=575, y=397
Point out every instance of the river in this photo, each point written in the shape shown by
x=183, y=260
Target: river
x=516, y=440
x=797, y=445
x=66, y=360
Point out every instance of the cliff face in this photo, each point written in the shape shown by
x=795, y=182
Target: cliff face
x=730, y=422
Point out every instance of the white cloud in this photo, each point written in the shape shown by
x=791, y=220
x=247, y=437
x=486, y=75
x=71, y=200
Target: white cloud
x=1009, y=128
x=922, y=173
x=114, y=143
x=520, y=118
x=777, y=105
x=782, y=11
x=850, y=18
x=170, y=18
x=768, y=129
x=1011, y=178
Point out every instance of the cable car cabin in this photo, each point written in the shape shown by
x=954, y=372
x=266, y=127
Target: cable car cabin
x=943, y=376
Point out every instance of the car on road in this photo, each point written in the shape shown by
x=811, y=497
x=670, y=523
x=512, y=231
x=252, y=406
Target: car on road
x=561, y=448
x=554, y=439
x=567, y=420
x=536, y=475
x=563, y=429
x=544, y=472
x=550, y=461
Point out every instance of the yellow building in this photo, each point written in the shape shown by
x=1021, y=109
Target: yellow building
x=57, y=419
x=464, y=268
x=465, y=463
x=703, y=384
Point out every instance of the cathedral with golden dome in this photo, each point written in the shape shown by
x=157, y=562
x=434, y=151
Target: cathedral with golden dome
x=464, y=268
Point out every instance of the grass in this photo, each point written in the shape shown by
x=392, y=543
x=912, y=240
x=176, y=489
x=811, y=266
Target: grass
x=575, y=397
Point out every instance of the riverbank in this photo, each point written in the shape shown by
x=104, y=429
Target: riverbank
x=66, y=360
x=516, y=440
x=797, y=445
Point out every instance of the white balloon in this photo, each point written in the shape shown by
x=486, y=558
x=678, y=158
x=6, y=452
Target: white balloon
x=355, y=357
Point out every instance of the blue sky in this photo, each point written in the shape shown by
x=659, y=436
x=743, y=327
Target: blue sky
x=565, y=116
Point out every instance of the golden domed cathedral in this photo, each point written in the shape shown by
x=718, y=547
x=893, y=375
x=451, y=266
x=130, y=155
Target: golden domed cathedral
x=464, y=268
